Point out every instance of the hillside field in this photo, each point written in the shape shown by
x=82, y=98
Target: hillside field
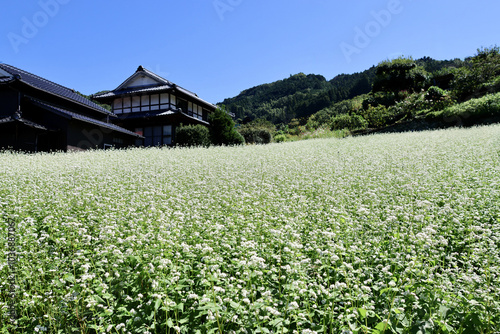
x=392, y=233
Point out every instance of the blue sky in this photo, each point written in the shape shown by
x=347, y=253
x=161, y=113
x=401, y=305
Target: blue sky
x=217, y=48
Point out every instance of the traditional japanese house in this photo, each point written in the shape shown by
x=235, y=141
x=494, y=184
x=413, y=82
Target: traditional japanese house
x=39, y=115
x=154, y=107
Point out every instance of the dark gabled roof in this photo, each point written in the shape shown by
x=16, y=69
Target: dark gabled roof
x=72, y=115
x=143, y=71
x=49, y=87
x=162, y=85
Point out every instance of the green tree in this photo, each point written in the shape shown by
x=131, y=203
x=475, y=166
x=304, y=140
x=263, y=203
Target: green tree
x=346, y=121
x=399, y=74
x=222, y=130
x=478, y=76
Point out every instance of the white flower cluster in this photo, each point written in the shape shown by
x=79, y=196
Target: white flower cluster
x=312, y=236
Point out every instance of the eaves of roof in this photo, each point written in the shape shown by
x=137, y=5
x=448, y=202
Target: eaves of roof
x=72, y=115
x=6, y=120
x=158, y=89
x=160, y=113
x=24, y=121
x=194, y=96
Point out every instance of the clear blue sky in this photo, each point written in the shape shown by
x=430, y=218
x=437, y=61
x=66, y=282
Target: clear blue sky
x=217, y=48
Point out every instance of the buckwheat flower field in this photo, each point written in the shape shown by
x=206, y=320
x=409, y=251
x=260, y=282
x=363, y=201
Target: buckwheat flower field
x=395, y=233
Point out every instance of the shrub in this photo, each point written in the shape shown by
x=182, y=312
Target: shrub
x=313, y=122
x=380, y=98
x=192, y=135
x=222, y=131
x=255, y=135
x=435, y=93
x=492, y=86
x=279, y=138
x=485, y=106
x=378, y=116
x=259, y=131
x=438, y=98
x=236, y=139
x=410, y=106
x=346, y=121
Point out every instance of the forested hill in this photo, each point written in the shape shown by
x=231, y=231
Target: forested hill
x=298, y=96
x=301, y=95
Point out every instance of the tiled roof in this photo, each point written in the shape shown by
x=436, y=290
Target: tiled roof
x=133, y=91
x=193, y=95
x=163, y=84
x=82, y=118
x=51, y=87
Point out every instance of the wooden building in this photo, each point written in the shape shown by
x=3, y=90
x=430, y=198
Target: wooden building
x=39, y=115
x=154, y=107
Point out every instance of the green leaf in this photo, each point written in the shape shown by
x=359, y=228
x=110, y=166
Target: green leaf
x=180, y=307
x=381, y=326
x=99, y=299
x=443, y=311
x=170, y=323
x=69, y=278
x=362, y=312
x=276, y=321
x=123, y=310
x=107, y=295
x=157, y=304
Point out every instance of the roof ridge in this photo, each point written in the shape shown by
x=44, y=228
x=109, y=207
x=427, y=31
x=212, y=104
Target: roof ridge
x=86, y=101
x=38, y=77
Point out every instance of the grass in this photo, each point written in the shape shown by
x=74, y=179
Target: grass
x=320, y=133
x=395, y=233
